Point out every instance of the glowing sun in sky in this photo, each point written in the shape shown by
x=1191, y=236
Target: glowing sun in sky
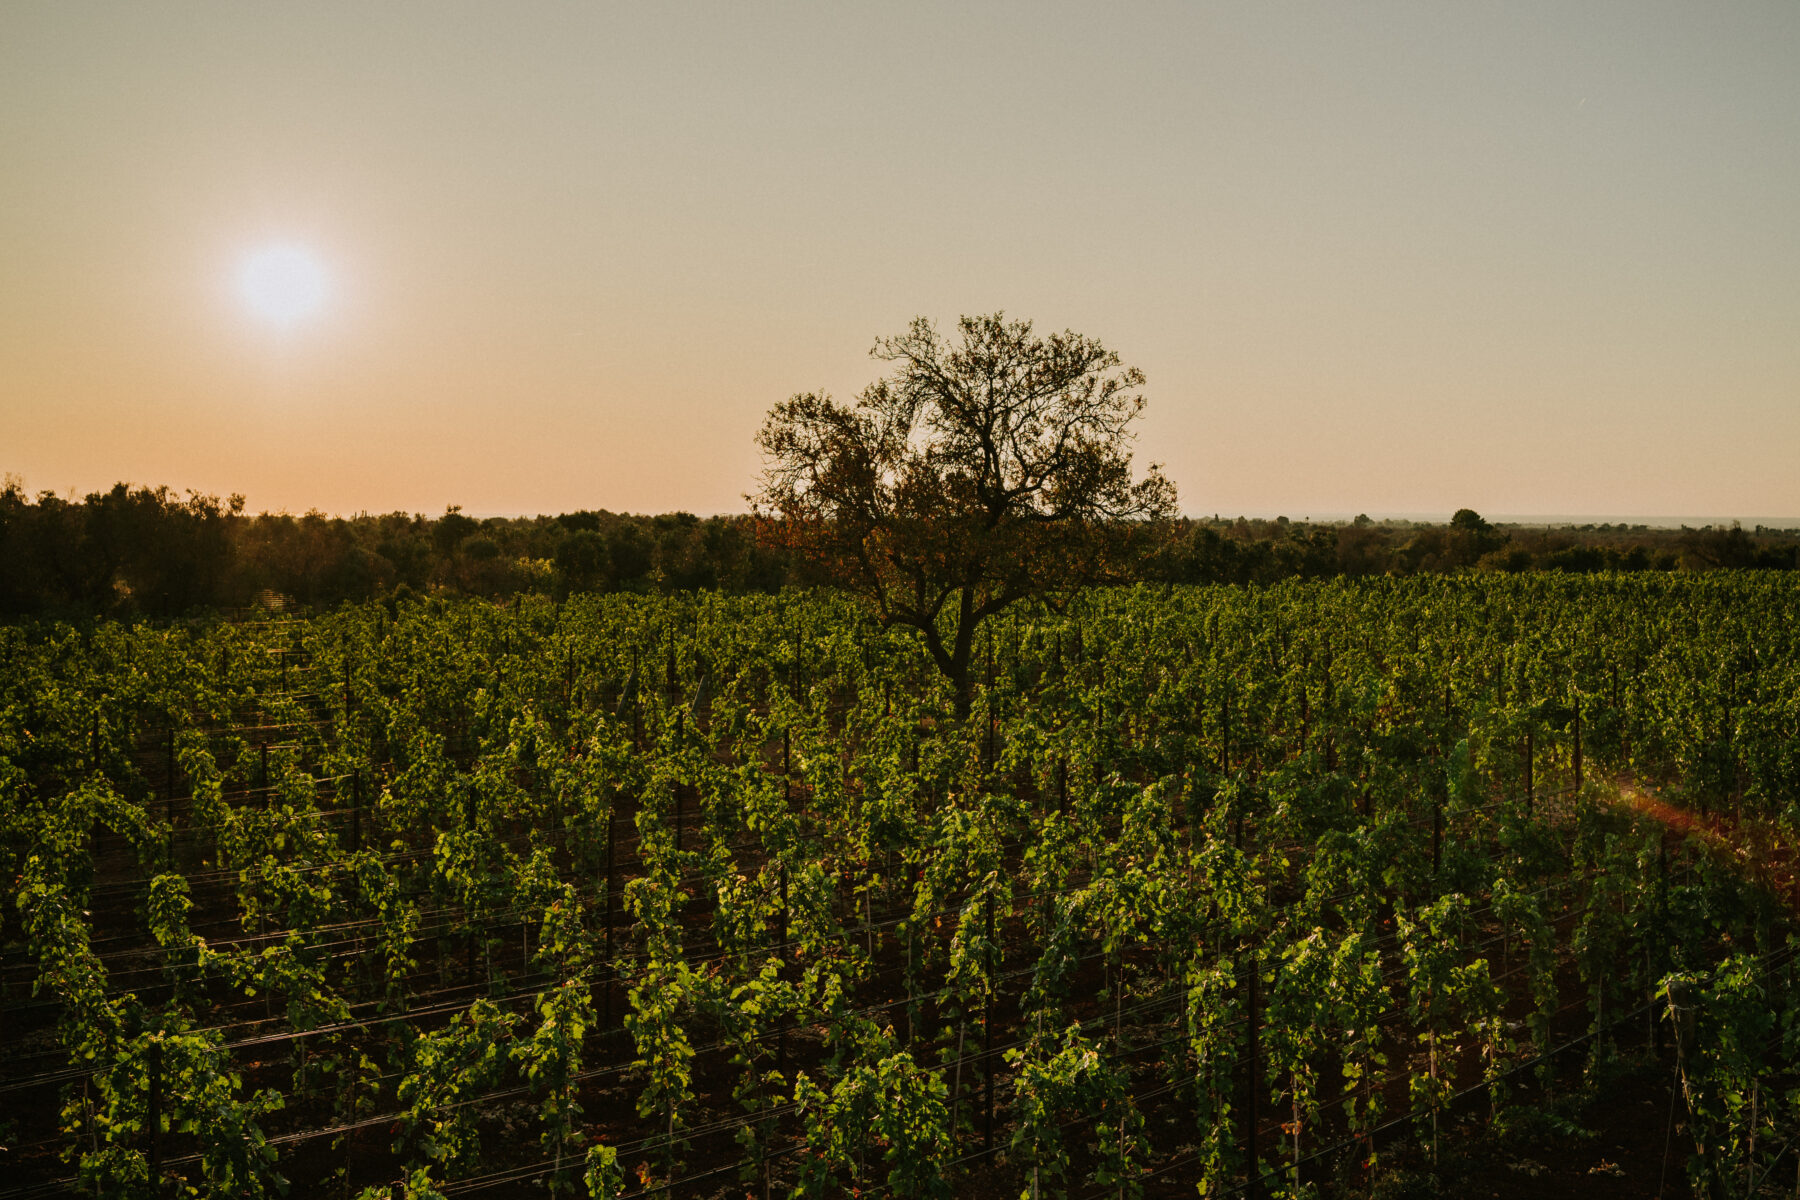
x=283, y=284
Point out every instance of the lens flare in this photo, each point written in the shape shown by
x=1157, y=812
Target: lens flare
x=1756, y=848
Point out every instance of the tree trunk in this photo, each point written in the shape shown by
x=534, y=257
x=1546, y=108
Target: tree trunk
x=953, y=660
x=960, y=654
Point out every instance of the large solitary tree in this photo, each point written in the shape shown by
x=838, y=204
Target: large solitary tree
x=976, y=474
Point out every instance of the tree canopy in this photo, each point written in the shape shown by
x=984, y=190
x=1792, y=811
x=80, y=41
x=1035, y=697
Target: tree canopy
x=977, y=473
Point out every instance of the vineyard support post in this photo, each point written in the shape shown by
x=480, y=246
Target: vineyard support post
x=1528, y=780
x=1662, y=903
x=1330, y=738
x=987, y=1074
x=637, y=706
x=1225, y=734
x=911, y=1000
x=1253, y=1036
x=606, y=990
x=1577, y=748
x=153, y=1056
x=355, y=810
x=987, y=1039
x=781, y=944
x=1437, y=836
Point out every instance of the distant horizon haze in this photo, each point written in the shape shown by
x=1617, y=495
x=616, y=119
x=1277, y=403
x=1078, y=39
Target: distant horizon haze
x=1442, y=517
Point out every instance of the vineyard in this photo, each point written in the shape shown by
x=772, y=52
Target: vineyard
x=1253, y=890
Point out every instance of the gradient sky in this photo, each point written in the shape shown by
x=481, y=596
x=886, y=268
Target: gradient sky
x=1531, y=258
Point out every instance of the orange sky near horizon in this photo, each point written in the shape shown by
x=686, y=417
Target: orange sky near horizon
x=1394, y=258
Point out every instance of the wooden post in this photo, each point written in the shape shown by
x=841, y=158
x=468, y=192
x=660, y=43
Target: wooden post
x=612, y=825
x=782, y=934
x=1253, y=1034
x=781, y=944
x=1437, y=835
x=1662, y=903
x=795, y=676
x=637, y=707
x=1225, y=734
x=153, y=1055
x=1578, y=747
x=355, y=810
x=987, y=1038
x=1529, y=798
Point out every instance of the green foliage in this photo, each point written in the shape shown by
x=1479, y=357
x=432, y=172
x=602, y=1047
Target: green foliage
x=551, y=1061
x=1725, y=1025
x=1215, y=1005
x=605, y=1179
x=202, y=1099
x=448, y=1070
x=664, y=1054
x=891, y=1111
x=761, y=885
x=1074, y=1080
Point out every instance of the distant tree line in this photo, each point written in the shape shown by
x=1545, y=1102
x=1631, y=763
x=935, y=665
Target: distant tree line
x=154, y=552
x=1261, y=551
x=151, y=551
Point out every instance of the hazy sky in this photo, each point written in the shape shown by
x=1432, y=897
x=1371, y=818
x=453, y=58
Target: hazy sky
x=1394, y=258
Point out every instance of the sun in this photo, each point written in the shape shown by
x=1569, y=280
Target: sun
x=284, y=284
